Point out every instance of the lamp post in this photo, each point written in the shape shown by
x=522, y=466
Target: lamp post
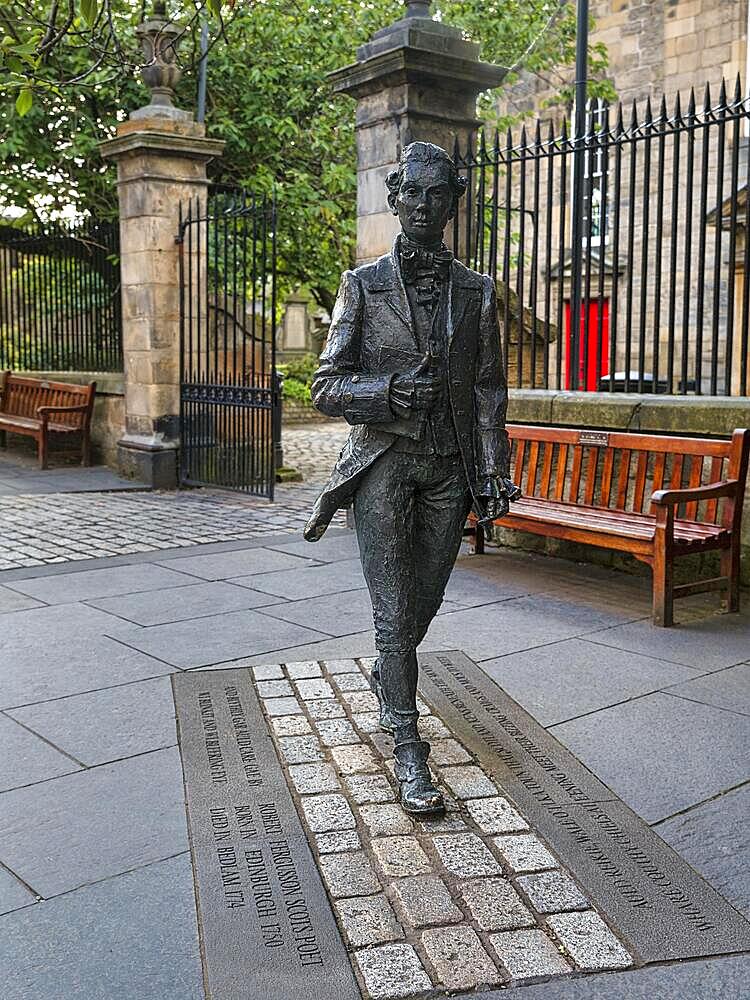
x=579, y=161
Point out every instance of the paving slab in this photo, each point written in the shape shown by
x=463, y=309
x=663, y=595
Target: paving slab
x=226, y=565
x=336, y=614
x=330, y=548
x=107, y=725
x=474, y=585
x=571, y=678
x=359, y=644
x=85, y=827
x=706, y=644
x=728, y=688
x=315, y=581
x=719, y=979
x=126, y=937
x=713, y=838
x=515, y=624
x=31, y=672
x=25, y=758
x=176, y=604
x=111, y=581
x=47, y=624
x=13, y=893
x=216, y=638
x=12, y=600
x=662, y=754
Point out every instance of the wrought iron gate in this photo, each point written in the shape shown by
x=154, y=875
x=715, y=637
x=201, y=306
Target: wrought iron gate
x=230, y=394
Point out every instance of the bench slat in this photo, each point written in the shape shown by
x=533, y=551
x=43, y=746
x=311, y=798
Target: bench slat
x=562, y=468
x=531, y=468
x=591, y=467
x=623, y=477
x=607, y=467
x=715, y=476
x=696, y=473
x=640, y=480
x=575, y=475
x=520, y=452
x=548, y=452
x=660, y=462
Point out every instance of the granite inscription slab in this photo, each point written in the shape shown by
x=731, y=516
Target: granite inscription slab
x=265, y=923
x=660, y=905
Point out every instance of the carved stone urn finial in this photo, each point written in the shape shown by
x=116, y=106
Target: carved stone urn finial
x=158, y=37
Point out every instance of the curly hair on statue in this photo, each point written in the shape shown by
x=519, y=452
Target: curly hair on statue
x=426, y=152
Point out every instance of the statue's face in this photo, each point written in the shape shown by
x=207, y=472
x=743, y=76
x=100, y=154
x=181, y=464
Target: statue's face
x=424, y=202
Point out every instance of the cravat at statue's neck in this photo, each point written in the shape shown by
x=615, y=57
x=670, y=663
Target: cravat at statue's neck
x=411, y=246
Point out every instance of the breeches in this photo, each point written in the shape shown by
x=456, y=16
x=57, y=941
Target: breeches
x=409, y=512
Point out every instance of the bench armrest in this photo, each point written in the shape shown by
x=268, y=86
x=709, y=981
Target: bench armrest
x=43, y=411
x=666, y=498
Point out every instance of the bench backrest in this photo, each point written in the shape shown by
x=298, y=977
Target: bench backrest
x=620, y=471
x=22, y=396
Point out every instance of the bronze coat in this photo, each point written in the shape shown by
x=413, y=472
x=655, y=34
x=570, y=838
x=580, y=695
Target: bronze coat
x=371, y=339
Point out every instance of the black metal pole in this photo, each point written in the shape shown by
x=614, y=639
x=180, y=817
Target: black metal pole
x=201, y=113
x=579, y=159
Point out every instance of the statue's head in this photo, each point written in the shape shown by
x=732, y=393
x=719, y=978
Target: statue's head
x=424, y=191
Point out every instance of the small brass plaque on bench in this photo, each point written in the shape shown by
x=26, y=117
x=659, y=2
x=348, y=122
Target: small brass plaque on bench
x=599, y=438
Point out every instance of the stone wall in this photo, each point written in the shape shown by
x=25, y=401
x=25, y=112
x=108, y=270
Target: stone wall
x=626, y=412
x=654, y=48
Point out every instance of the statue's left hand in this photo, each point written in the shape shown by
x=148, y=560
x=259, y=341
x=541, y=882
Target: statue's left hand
x=496, y=494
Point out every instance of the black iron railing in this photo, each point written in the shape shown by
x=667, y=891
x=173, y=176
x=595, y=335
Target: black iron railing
x=664, y=258
x=60, y=298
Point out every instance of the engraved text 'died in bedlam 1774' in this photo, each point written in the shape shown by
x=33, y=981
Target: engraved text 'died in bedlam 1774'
x=265, y=922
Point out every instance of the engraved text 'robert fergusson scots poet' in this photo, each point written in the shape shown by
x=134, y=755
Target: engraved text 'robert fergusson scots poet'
x=413, y=363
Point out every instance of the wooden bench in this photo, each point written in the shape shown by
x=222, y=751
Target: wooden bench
x=655, y=497
x=38, y=408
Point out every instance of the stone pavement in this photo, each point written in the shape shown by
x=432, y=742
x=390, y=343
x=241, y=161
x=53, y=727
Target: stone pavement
x=21, y=476
x=96, y=887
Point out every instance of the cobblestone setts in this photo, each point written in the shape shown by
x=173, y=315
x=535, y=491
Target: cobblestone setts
x=42, y=529
x=465, y=902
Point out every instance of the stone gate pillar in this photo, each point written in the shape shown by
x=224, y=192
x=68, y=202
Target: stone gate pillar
x=161, y=155
x=417, y=79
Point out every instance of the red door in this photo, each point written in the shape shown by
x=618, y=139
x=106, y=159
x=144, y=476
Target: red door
x=588, y=380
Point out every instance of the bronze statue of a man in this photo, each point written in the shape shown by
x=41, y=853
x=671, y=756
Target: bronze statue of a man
x=413, y=363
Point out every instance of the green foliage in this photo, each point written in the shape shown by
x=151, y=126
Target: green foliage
x=298, y=376
x=268, y=98
x=302, y=368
